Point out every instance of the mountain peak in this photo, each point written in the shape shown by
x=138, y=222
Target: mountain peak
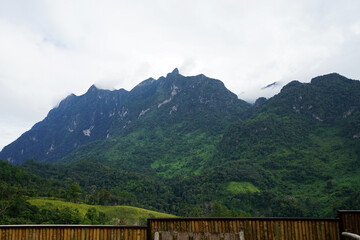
x=93, y=88
x=173, y=73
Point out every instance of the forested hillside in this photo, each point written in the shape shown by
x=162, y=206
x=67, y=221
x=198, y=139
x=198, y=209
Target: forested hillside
x=189, y=147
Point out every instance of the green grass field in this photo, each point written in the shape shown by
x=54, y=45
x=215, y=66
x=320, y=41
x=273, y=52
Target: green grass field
x=118, y=215
x=241, y=187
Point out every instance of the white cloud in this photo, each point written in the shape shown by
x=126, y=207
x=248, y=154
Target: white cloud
x=50, y=49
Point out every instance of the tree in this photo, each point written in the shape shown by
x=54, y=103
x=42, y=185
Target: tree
x=74, y=192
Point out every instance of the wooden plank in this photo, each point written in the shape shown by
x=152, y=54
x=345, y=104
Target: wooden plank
x=23, y=234
x=277, y=230
x=289, y=229
x=306, y=229
x=283, y=230
x=318, y=230
x=221, y=226
x=138, y=234
x=242, y=224
x=292, y=230
x=255, y=229
x=351, y=222
x=330, y=230
x=298, y=230
x=48, y=233
x=312, y=229
x=172, y=227
x=51, y=233
x=267, y=226
x=131, y=233
x=122, y=234
x=355, y=223
x=270, y=229
x=89, y=233
x=68, y=233
x=18, y=233
x=258, y=230
x=211, y=226
x=305, y=225
x=216, y=226
x=315, y=230
x=271, y=225
x=201, y=226
x=72, y=234
x=13, y=235
x=303, y=230
x=249, y=231
x=198, y=226
x=326, y=230
x=224, y=226
x=108, y=234
x=93, y=234
x=335, y=230
x=117, y=234
x=141, y=235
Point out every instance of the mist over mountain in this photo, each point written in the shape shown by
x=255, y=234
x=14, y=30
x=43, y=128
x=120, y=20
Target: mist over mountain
x=101, y=114
x=189, y=146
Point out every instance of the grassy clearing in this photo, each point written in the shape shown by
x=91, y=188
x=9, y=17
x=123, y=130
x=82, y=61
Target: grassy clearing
x=117, y=214
x=241, y=187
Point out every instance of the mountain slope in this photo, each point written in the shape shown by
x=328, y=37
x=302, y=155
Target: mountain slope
x=302, y=144
x=188, y=146
x=192, y=103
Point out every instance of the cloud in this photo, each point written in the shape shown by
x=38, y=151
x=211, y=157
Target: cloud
x=50, y=49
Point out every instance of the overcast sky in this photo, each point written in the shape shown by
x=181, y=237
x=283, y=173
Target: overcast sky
x=51, y=48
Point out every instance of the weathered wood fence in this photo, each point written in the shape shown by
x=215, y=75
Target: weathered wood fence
x=197, y=229
x=349, y=221
x=252, y=228
x=72, y=232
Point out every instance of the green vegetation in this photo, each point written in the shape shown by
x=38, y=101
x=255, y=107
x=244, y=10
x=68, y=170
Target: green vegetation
x=114, y=215
x=294, y=155
x=241, y=187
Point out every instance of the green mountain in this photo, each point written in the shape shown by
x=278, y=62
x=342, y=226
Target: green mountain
x=190, y=147
x=303, y=143
x=173, y=111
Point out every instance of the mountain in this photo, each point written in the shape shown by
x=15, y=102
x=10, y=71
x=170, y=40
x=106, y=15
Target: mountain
x=302, y=144
x=189, y=104
x=190, y=147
